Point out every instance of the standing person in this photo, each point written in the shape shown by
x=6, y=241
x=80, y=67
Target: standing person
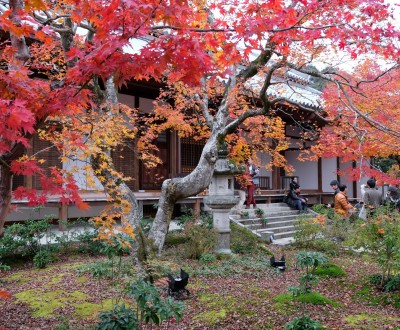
x=342, y=205
x=335, y=186
x=372, y=197
x=296, y=201
x=253, y=181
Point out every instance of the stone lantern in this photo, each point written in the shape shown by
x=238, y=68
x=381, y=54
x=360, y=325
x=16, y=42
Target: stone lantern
x=221, y=199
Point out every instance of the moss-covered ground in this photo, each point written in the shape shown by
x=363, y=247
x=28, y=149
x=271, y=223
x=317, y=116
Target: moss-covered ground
x=240, y=291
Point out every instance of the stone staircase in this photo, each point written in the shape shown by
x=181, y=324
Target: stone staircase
x=276, y=224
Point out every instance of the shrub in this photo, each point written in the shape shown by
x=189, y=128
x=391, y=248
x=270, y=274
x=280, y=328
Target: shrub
x=151, y=307
x=322, y=209
x=303, y=323
x=380, y=237
x=245, y=214
x=119, y=317
x=43, y=258
x=23, y=238
x=259, y=212
x=308, y=230
x=392, y=283
x=243, y=241
x=175, y=238
x=307, y=261
x=201, y=240
x=207, y=258
x=322, y=233
x=88, y=242
x=187, y=216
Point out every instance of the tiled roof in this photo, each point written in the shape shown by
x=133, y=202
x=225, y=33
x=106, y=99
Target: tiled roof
x=292, y=91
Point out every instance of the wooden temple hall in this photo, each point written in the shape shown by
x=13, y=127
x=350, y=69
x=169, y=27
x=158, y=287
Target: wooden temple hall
x=180, y=157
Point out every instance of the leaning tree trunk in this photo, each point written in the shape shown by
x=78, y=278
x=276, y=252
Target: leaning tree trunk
x=176, y=189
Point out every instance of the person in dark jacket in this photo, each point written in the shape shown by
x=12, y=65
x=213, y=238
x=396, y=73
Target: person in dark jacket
x=294, y=184
x=295, y=200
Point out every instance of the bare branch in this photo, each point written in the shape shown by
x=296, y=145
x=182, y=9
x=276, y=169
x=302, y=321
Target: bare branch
x=203, y=103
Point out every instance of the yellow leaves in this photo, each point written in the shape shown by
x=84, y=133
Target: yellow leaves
x=35, y=5
x=320, y=219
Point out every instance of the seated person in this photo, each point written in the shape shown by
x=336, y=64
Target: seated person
x=342, y=205
x=295, y=200
x=294, y=183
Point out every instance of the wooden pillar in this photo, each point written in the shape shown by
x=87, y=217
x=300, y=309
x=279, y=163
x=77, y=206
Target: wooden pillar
x=197, y=207
x=355, y=183
x=29, y=178
x=136, y=161
x=174, y=154
x=337, y=168
x=320, y=175
x=135, y=165
x=62, y=217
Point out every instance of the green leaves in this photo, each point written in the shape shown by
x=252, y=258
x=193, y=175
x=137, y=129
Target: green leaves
x=119, y=318
x=151, y=306
x=310, y=259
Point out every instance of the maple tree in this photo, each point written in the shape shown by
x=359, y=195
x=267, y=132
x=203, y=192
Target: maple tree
x=368, y=124
x=222, y=60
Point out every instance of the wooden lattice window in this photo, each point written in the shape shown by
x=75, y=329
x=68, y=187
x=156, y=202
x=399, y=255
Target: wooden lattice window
x=190, y=153
x=124, y=161
x=48, y=153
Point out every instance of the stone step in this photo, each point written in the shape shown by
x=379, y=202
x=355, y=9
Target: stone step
x=281, y=229
x=281, y=235
x=280, y=224
x=260, y=224
x=276, y=213
x=272, y=205
x=272, y=209
x=269, y=220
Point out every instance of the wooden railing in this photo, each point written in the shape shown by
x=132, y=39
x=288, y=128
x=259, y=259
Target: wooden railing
x=264, y=183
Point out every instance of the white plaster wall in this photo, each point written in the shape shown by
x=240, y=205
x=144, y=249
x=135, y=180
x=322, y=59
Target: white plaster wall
x=329, y=173
x=306, y=171
x=264, y=160
x=79, y=173
x=346, y=180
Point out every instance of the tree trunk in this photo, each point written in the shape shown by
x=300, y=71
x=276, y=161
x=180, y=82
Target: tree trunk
x=176, y=189
x=5, y=194
x=120, y=192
